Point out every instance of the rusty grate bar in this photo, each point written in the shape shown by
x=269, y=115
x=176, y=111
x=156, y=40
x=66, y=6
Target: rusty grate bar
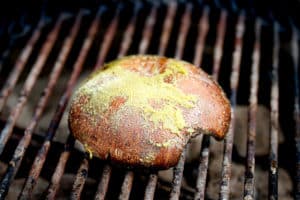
x=24, y=142
x=218, y=50
x=295, y=56
x=128, y=33
x=177, y=177
x=202, y=169
x=108, y=38
x=147, y=34
x=234, y=81
x=82, y=175
x=250, y=165
x=29, y=83
x=273, y=170
x=167, y=27
x=41, y=156
x=20, y=64
x=126, y=186
x=59, y=170
x=150, y=188
x=184, y=27
x=103, y=185
x=204, y=157
x=202, y=32
x=179, y=168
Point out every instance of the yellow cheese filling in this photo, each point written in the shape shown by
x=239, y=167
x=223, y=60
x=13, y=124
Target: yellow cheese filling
x=140, y=92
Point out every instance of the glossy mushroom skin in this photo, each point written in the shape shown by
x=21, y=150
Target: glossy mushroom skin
x=140, y=111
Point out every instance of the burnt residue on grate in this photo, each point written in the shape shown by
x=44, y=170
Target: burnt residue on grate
x=255, y=60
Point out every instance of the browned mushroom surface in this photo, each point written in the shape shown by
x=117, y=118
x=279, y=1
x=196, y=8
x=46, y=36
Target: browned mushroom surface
x=142, y=110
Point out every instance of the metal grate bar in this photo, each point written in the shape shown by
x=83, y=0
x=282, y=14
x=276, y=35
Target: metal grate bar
x=202, y=169
x=184, y=27
x=202, y=32
x=250, y=165
x=150, y=188
x=167, y=27
x=59, y=170
x=147, y=34
x=82, y=175
x=151, y=185
x=234, y=80
x=108, y=38
x=204, y=157
x=42, y=153
x=128, y=35
x=177, y=177
x=295, y=56
x=273, y=170
x=218, y=49
x=20, y=64
x=15, y=162
x=29, y=83
x=179, y=168
x=126, y=186
x=103, y=185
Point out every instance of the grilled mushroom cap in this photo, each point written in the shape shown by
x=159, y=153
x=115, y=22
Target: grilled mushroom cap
x=141, y=110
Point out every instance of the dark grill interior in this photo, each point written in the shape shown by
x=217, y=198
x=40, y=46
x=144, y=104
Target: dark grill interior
x=250, y=48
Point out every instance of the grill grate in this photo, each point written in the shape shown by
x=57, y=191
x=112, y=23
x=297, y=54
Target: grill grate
x=106, y=27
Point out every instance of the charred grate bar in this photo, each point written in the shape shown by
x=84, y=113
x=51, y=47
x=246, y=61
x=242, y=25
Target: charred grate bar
x=189, y=26
x=273, y=171
x=234, y=80
x=250, y=166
